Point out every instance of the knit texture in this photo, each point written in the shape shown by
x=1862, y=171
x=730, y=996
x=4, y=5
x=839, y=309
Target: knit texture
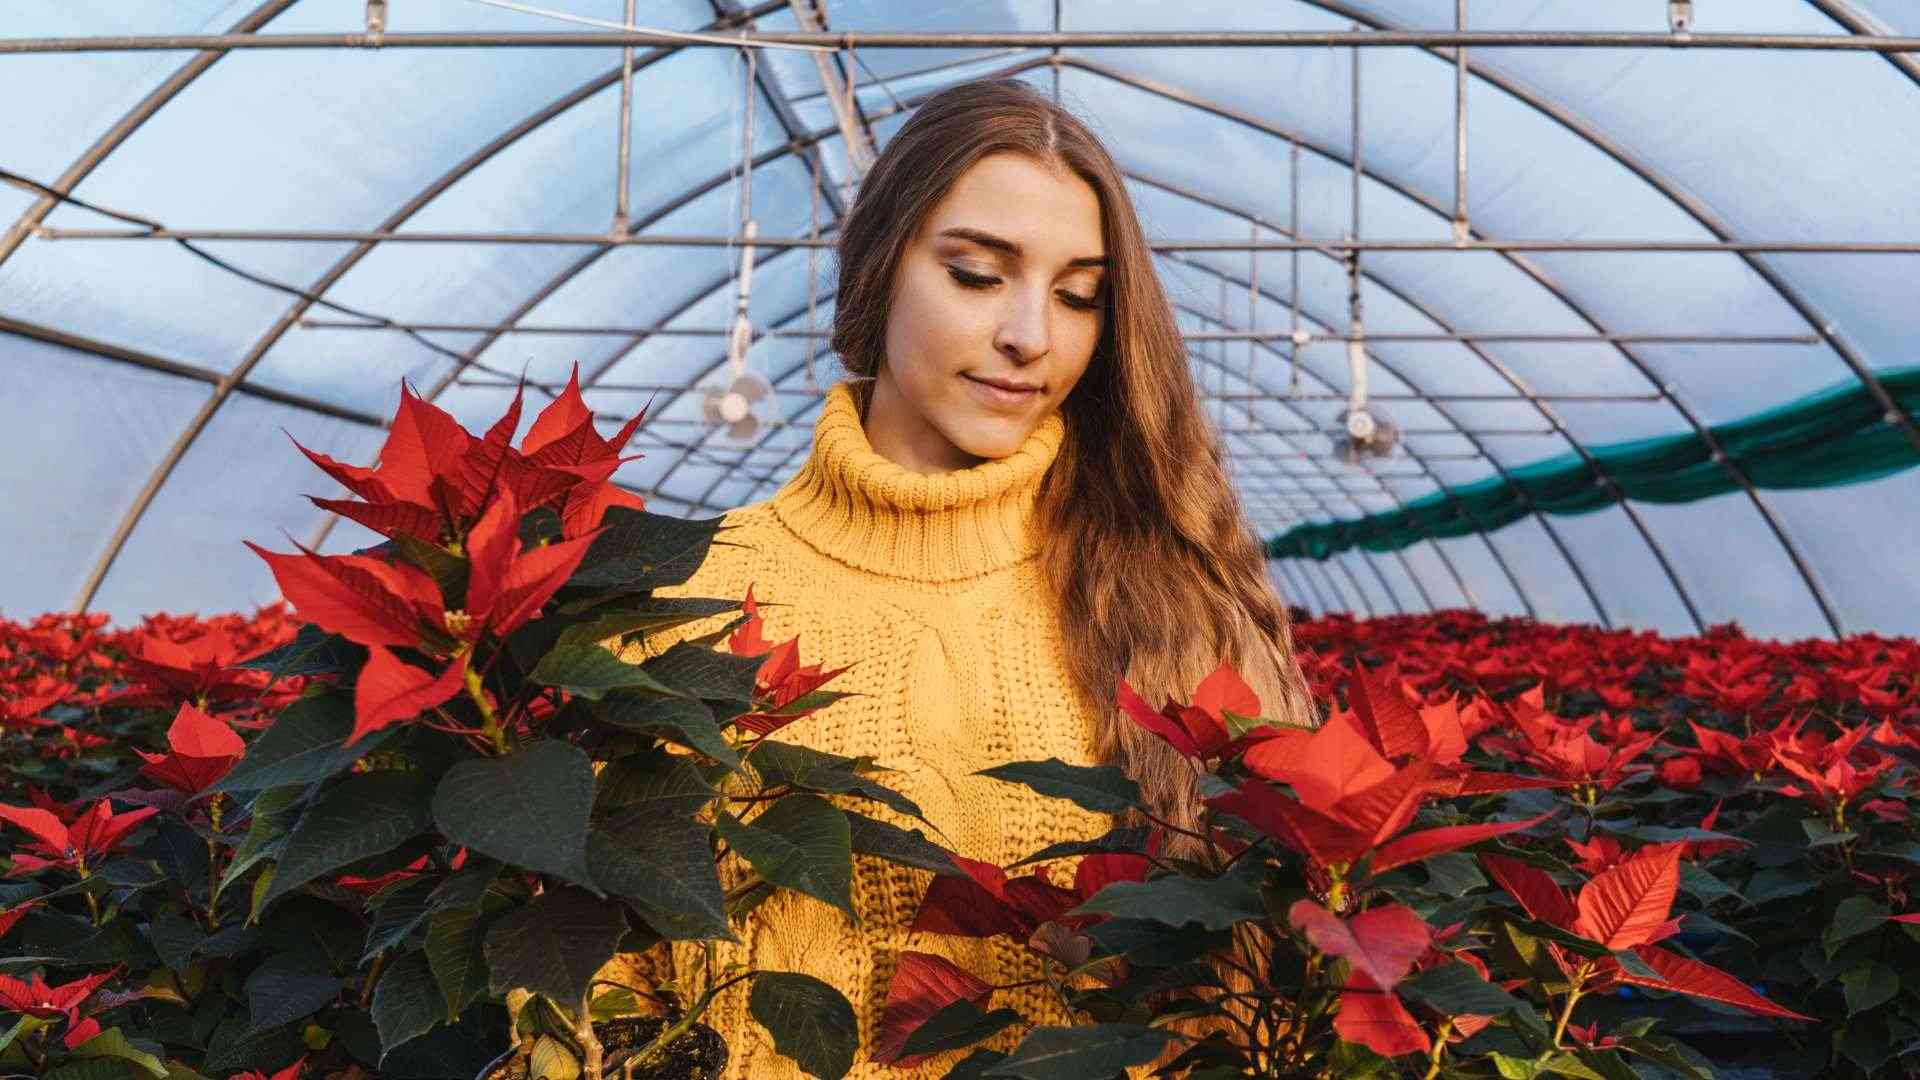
x=929, y=586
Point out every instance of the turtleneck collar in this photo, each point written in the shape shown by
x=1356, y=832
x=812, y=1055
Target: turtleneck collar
x=856, y=506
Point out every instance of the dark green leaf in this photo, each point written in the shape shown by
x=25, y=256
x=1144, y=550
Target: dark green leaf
x=810, y=1021
x=707, y=673
x=400, y=907
x=1080, y=1053
x=286, y=987
x=312, y=651
x=1854, y=916
x=528, y=810
x=663, y=865
x=799, y=842
x=467, y=886
x=273, y=813
x=307, y=742
x=784, y=763
x=364, y=814
x=1130, y=839
x=455, y=950
x=554, y=945
x=113, y=1045
x=1104, y=789
x=1455, y=988
x=651, y=783
x=1869, y=986
x=687, y=721
x=960, y=1023
x=1152, y=943
x=406, y=1002
x=641, y=551
x=174, y=937
x=592, y=670
x=975, y=1065
x=870, y=836
x=1213, y=903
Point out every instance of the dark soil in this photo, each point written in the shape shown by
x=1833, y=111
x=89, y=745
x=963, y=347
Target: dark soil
x=700, y=1054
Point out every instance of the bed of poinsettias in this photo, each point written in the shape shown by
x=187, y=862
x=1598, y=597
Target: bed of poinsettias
x=399, y=829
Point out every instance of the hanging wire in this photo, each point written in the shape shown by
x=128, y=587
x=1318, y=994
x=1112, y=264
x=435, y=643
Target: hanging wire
x=677, y=35
x=813, y=263
x=459, y=358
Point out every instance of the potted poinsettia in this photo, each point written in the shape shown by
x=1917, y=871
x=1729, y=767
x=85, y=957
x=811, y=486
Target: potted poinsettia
x=420, y=863
x=1330, y=920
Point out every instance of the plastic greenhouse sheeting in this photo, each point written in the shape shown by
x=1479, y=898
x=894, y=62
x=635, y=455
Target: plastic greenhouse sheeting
x=147, y=392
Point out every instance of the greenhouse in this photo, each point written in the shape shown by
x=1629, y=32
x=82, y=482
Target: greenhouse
x=411, y=402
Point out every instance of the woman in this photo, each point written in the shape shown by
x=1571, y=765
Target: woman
x=1014, y=501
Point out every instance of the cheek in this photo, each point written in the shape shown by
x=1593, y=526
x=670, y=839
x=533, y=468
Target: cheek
x=931, y=330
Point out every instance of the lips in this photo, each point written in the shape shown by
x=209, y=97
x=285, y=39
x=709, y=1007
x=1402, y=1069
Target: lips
x=1010, y=387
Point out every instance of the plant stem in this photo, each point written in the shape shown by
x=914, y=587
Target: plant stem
x=648, y=1053
x=1439, y=1049
x=373, y=976
x=594, y=1054
x=1566, y=1010
x=490, y=724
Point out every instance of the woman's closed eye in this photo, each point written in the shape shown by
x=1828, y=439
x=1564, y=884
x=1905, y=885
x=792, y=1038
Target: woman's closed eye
x=971, y=280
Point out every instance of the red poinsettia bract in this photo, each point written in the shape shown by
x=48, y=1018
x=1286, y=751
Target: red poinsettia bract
x=34, y=997
x=784, y=689
x=71, y=844
x=381, y=604
x=1625, y=906
x=201, y=749
x=434, y=477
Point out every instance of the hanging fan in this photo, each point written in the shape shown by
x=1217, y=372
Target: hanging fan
x=1366, y=431
x=732, y=404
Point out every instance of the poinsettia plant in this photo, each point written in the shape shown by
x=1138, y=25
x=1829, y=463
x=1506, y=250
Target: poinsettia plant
x=1317, y=925
x=474, y=800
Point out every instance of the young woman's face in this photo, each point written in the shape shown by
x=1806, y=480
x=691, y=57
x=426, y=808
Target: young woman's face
x=1002, y=284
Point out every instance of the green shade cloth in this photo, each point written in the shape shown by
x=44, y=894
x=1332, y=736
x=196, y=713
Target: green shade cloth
x=1838, y=435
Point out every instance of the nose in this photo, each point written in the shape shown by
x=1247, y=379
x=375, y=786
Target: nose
x=1025, y=334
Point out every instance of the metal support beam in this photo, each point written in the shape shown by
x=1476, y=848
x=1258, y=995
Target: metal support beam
x=1097, y=39
x=1333, y=247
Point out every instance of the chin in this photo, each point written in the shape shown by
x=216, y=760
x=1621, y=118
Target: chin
x=991, y=438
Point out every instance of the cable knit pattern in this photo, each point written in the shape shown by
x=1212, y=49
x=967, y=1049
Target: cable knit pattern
x=928, y=585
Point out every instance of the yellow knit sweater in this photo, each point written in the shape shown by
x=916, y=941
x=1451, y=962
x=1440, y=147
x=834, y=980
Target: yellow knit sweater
x=929, y=586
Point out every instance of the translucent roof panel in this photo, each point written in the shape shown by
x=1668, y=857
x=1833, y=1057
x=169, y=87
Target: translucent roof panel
x=441, y=217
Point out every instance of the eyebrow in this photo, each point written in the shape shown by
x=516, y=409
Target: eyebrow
x=1001, y=243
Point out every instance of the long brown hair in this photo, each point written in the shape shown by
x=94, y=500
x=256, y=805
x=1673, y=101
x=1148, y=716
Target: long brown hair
x=1157, y=573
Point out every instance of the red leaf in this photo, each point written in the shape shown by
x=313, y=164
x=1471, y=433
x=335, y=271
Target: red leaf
x=587, y=505
x=1700, y=980
x=1383, y=941
x=750, y=639
x=536, y=575
x=1375, y=1019
x=1098, y=871
x=564, y=414
x=46, y=828
x=362, y=482
x=1385, y=808
x=922, y=985
x=1225, y=691
x=974, y=906
x=1414, y=847
x=389, y=691
x=1383, y=715
x=1628, y=901
x=387, y=518
x=355, y=596
x=1147, y=717
x=425, y=444
x=1540, y=896
x=196, y=734
x=1335, y=761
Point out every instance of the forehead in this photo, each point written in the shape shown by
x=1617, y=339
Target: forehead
x=1050, y=212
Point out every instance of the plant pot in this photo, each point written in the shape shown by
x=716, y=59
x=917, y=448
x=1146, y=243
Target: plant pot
x=700, y=1054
